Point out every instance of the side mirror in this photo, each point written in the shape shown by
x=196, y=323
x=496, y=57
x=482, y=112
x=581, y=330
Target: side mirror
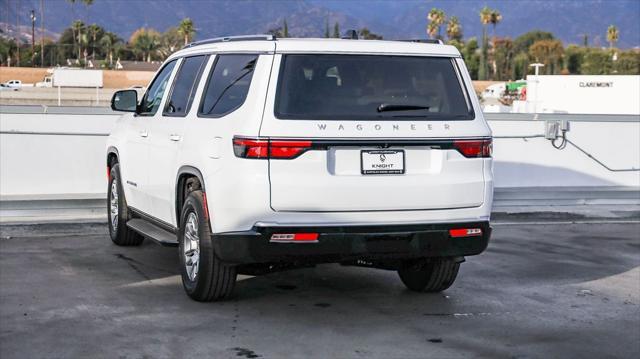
x=125, y=101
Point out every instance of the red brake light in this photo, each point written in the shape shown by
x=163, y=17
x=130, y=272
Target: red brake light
x=474, y=148
x=465, y=232
x=266, y=148
x=294, y=237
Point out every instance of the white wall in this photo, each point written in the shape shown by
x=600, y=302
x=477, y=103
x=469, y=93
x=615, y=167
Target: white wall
x=593, y=94
x=67, y=160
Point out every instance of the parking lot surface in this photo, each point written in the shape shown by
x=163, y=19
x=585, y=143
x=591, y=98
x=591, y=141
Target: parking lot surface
x=540, y=291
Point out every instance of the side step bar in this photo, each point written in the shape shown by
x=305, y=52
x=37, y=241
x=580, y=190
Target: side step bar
x=151, y=231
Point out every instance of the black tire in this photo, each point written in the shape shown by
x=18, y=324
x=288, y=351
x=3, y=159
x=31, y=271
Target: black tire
x=212, y=280
x=118, y=230
x=434, y=275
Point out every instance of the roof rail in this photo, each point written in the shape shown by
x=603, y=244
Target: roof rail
x=425, y=41
x=266, y=37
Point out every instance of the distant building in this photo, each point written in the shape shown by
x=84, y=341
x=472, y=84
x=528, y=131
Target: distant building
x=138, y=65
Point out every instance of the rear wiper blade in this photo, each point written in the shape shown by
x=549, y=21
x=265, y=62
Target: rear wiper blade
x=384, y=107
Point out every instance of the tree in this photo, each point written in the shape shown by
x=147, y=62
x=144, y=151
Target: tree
x=494, y=19
x=276, y=32
x=548, y=52
x=77, y=28
x=436, y=18
x=524, y=41
x=454, y=29
x=186, y=29
x=365, y=34
x=612, y=36
x=95, y=32
x=327, y=34
x=336, y=30
x=145, y=42
x=285, y=29
x=503, y=58
x=109, y=41
x=485, y=19
x=170, y=41
x=471, y=57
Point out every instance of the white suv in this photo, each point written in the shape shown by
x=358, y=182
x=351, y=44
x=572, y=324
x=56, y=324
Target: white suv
x=254, y=154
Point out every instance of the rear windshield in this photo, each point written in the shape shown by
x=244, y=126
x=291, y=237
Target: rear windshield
x=370, y=87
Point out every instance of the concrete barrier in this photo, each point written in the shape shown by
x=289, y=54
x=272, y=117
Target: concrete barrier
x=58, y=154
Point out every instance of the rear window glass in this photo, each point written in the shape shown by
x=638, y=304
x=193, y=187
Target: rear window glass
x=184, y=86
x=228, y=84
x=367, y=87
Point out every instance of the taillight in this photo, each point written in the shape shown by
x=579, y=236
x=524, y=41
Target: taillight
x=294, y=238
x=465, y=232
x=266, y=148
x=474, y=148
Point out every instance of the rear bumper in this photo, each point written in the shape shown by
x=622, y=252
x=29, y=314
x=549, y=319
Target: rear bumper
x=343, y=243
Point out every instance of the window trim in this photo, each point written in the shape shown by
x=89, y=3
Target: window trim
x=208, y=83
x=279, y=116
x=148, y=114
x=194, y=86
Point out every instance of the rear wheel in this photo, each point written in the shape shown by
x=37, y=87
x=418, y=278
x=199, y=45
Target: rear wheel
x=204, y=277
x=118, y=212
x=433, y=275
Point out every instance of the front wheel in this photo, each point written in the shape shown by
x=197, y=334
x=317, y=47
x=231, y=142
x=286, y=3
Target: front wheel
x=204, y=277
x=118, y=212
x=433, y=275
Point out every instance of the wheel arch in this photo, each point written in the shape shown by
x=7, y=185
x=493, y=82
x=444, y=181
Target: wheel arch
x=112, y=153
x=184, y=173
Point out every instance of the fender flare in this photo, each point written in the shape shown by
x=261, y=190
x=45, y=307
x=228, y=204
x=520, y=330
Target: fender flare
x=182, y=171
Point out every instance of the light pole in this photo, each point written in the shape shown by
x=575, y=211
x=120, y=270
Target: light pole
x=537, y=66
x=33, y=38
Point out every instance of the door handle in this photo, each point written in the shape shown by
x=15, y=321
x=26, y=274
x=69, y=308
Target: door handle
x=144, y=134
x=174, y=137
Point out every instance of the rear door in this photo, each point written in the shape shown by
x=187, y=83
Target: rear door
x=372, y=133
x=166, y=137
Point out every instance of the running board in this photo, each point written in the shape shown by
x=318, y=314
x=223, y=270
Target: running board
x=151, y=231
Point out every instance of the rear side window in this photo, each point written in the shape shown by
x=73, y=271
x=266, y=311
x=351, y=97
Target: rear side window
x=152, y=98
x=184, y=86
x=228, y=85
x=370, y=87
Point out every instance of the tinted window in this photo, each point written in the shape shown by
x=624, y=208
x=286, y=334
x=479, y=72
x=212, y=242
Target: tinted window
x=184, y=86
x=151, y=100
x=228, y=84
x=353, y=87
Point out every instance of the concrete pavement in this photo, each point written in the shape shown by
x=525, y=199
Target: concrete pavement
x=551, y=290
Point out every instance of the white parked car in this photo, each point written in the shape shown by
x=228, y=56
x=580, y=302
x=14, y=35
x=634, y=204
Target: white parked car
x=4, y=87
x=13, y=84
x=253, y=154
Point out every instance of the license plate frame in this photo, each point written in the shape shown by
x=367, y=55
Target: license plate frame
x=383, y=156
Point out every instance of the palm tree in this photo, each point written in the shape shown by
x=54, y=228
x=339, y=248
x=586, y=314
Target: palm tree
x=186, y=29
x=485, y=19
x=494, y=19
x=454, y=29
x=76, y=28
x=108, y=41
x=612, y=35
x=145, y=42
x=93, y=31
x=436, y=18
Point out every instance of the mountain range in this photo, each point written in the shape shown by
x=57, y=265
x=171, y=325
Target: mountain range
x=568, y=20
